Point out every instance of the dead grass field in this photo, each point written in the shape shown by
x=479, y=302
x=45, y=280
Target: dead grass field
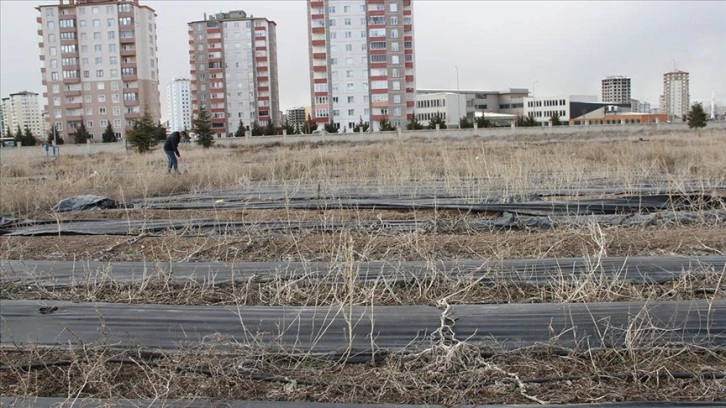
x=451, y=372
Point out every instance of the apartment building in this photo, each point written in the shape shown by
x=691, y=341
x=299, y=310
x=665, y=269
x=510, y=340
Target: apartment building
x=99, y=64
x=616, y=89
x=361, y=55
x=675, y=101
x=179, y=105
x=21, y=110
x=233, y=61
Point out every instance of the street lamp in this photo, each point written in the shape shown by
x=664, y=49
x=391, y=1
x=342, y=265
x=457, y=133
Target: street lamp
x=458, y=97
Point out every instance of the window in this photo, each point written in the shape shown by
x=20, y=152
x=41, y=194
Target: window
x=394, y=59
x=84, y=36
x=102, y=98
x=351, y=99
x=110, y=22
x=97, y=35
x=97, y=23
x=97, y=48
x=396, y=85
x=394, y=20
x=103, y=123
x=87, y=99
x=49, y=12
x=89, y=123
x=394, y=33
x=378, y=32
x=100, y=86
x=52, y=51
x=348, y=34
x=113, y=73
x=349, y=47
x=396, y=98
x=111, y=35
x=394, y=46
x=51, y=37
x=82, y=23
x=94, y=10
x=347, y=21
x=67, y=23
x=101, y=111
x=378, y=58
x=114, y=86
x=116, y=111
x=53, y=63
x=393, y=7
x=117, y=123
x=351, y=112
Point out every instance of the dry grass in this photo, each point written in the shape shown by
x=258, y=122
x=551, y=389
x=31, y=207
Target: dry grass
x=514, y=167
x=439, y=369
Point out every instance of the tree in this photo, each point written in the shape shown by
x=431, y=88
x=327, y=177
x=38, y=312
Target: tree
x=142, y=135
x=437, y=119
x=414, y=124
x=108, y=135
x=290, y=129
x=526, y=121
x=81, y=134
x=361, y=126
x=696, y=117
x=28, y=139
x=53, y=134
x=465, y=123
x=256, y=130
x=269, y=129
x=159, y=132
x=202, y=128
x=555, y=119
x=331, y=128
x=483, y=122
x=18, y=136
x=309, y=126
x=240, y=132
x=385, y=125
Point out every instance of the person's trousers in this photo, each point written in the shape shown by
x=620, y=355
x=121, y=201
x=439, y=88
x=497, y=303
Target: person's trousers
x=171, y=156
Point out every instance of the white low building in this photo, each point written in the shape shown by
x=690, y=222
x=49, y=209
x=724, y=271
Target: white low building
x=449, y=105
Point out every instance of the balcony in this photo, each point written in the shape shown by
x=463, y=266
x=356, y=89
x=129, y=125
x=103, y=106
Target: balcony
x=317, y=4
x=320, y=55
x=318, y=43
x=72, y=93
x=69, y=81
x=133, y=77
x=128, y=53
x=133, y=102
x=133, y=115
x=316, y=30
x=74, y=118
x=74, y=105
x=127, y=40
x=128, y=64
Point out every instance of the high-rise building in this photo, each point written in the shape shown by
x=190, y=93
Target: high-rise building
x=233, y=61
x=21, y=110
x=361, y=61
x=676, y=97
x=616, y=89
x=296, y=116
x=99, y=64
x=179, y=105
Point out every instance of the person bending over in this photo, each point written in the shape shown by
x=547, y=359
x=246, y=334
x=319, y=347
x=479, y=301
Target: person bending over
x=171, y=148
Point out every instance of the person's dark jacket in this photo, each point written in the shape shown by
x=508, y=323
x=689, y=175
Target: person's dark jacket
x=172, y=143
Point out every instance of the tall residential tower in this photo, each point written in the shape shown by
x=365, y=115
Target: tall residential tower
x=21, y=110
x=179, y=105
x=99, y=64
x=676, y=97
x=361, y=56
x=233, y=61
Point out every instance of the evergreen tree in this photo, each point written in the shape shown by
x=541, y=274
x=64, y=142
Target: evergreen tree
x=81, y=134
x=555, y=119
x=361, y=126
x=202, y=127
x=465, y=123
x=331, y=128
x=309, y=126
x=269, y=129
x=8, y=132
x=414, y=124
x=437, y=119
x=483, y=122
x=108, y=135
x=18, y=136
x=53, y=134
x=240, y=132
x=526, y=121
x=257, y=130
x=386, y=126
x=159, y=132
x=288, y=128
x=29, y=138
x=696, y=117
x=142, y=135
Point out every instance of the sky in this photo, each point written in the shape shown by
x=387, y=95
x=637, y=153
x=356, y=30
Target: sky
x=551, y=48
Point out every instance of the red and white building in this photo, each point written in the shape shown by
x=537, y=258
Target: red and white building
x=99, y=64
x=361, y=62
x=233, y=61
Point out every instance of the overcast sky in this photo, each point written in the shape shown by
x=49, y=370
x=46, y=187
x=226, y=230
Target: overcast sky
x=557, y=48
